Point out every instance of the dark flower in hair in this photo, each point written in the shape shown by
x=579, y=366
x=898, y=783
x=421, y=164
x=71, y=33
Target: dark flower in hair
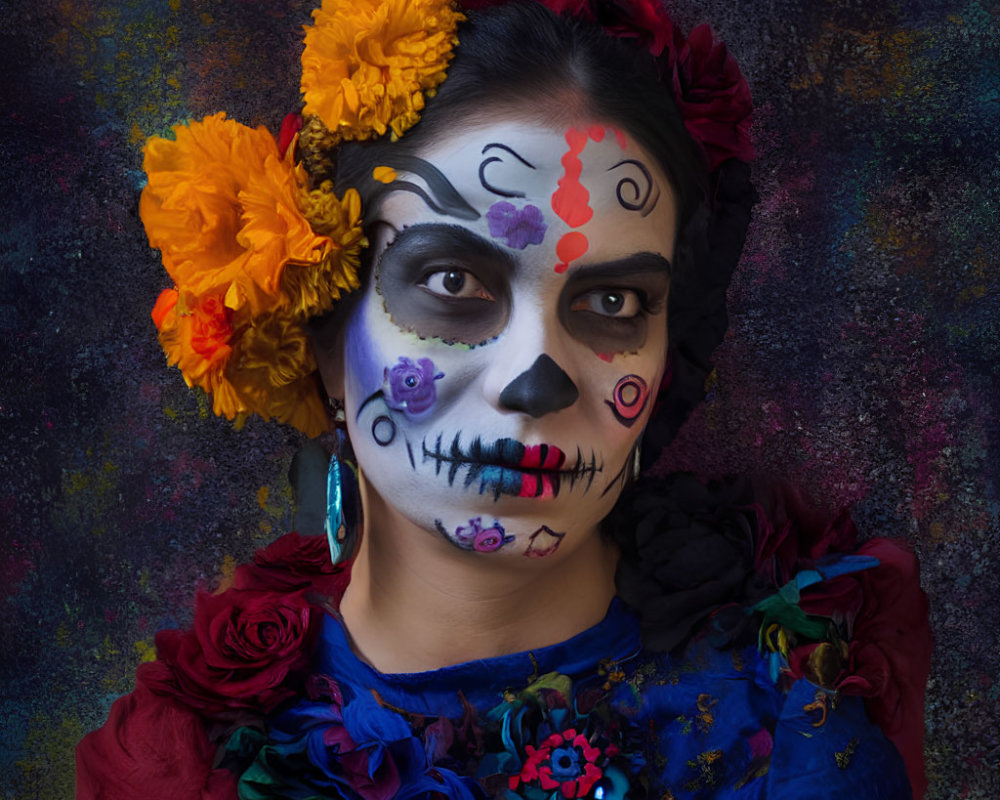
x=713, y=96
x=687, y=549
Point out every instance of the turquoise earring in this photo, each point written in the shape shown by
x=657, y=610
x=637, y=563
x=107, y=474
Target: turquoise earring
x=343, y=501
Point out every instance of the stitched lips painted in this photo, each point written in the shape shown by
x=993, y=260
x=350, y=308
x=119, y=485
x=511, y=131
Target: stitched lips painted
x=506, y=466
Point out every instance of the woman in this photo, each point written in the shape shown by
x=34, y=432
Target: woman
x=523, y=617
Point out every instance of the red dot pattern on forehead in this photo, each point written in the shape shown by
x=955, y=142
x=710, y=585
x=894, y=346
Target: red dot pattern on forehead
x=571, y=246
x=571, y=201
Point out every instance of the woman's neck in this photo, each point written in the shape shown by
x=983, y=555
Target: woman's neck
x=416, y=602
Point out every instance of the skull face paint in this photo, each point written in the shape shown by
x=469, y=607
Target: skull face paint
x=477, y=379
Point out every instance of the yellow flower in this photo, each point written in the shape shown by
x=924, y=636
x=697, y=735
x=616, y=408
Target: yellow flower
x=273, y=368
x=367, y=63
x=316, y=288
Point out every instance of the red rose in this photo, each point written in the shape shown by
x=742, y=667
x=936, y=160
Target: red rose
x=713, y=97
x=888, y=657
x=150, y=747
x=792, y=535
x=244, y=648
x=294, y=562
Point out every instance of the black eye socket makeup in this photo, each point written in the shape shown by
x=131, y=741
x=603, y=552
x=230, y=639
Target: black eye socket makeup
x=445, y=282
x=607, y=306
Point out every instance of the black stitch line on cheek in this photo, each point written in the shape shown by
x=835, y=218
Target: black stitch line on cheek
x=409, y=452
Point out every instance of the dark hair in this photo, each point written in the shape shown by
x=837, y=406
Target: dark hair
x=522, y=57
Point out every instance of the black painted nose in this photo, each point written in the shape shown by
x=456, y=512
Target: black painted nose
x=540, y=390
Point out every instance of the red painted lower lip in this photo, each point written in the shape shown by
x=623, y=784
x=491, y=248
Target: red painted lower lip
x=542, y=457
x=539, y=484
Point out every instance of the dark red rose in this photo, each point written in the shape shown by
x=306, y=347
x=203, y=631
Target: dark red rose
x=713, y=97
x=244, y=654
x=294, y=562
x=887, y=659
x=644, y=21
x=792, y=534
x=151, y=747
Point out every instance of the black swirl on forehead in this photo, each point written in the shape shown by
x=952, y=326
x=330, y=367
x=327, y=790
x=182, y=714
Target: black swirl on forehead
x=633, y=194
x=492, y=160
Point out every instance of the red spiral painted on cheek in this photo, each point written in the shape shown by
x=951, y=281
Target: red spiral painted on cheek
x=628, y=399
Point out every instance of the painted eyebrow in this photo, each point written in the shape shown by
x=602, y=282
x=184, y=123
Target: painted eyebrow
x=637, y=263
x=444, y=198
x=445, y=237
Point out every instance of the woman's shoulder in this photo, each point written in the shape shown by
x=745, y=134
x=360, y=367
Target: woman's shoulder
x=837, y=630
x=720, y=726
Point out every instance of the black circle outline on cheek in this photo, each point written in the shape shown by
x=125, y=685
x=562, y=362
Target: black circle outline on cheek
x=379, y=422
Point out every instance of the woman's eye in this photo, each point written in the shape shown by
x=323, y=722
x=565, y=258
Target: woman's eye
x=458, y=283
x=623, y=303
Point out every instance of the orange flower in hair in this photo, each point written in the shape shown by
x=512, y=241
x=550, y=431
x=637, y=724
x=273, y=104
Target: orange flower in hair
x=368, y=63
x=226, y=210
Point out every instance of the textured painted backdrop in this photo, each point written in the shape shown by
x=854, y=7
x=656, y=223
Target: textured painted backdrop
x=862, y=358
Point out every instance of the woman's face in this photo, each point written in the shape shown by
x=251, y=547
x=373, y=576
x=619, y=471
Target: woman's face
x=504, y=358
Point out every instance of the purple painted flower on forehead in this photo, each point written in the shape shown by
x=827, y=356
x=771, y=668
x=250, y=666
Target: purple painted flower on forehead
x=520, y=227
x=409, y=386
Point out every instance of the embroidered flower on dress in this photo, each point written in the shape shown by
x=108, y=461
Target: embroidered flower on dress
x=565, y=761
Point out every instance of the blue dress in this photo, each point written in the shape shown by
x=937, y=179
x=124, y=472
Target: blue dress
x=595, y=717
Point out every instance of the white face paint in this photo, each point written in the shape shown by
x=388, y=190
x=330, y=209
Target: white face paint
x=505, y=356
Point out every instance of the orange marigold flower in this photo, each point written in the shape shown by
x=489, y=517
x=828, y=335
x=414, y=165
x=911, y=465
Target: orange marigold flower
x=197, y=336
x=274, y=370
x=367, y=63
x=222, y=206
x=317, y=287
x=226, y=211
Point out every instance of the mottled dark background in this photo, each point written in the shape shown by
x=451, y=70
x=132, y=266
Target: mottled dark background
x=862, y=358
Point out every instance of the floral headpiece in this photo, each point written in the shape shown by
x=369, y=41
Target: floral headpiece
x=255, y=248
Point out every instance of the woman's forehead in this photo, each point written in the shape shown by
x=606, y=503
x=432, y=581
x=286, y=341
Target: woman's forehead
x=516, y=158
x=571, y=188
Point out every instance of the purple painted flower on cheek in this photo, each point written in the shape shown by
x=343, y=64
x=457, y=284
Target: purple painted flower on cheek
x=409, y=386
x=520, y=227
